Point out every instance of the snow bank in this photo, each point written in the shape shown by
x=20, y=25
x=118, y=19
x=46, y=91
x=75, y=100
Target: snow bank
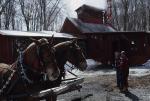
x=139, y=72
x=147, y=64
x=134, y=71
x=92, y=64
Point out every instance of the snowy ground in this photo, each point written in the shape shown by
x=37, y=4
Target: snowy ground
x=100, y=85
x=134, y=71
x=142, y=70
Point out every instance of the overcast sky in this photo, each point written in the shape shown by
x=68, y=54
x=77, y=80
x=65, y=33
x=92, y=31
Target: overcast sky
x=72, y=5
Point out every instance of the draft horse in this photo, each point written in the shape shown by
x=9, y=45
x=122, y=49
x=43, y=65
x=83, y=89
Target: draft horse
x=67, y=51
x=38, y=60
x=71, y=52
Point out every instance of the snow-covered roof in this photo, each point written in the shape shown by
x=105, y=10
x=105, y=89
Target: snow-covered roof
x=35, y=34
x=60, y=35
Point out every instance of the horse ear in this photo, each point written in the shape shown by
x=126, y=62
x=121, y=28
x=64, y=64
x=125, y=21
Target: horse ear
x=35, y=41
x=51, y=40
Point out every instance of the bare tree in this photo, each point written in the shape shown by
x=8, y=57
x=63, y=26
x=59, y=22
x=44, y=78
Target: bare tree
x=8, y=14
x=130, y=15
x=3, y=5
x=40, y=14
x=26, y=8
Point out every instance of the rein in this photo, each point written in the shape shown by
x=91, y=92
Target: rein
x=72, y=67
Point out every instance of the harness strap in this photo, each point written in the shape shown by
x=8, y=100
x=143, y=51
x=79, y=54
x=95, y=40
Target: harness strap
x=40, y=58
x=12, y=85
x=70, y=66
x=21, y=68
x=70, y=71
x=7, y=82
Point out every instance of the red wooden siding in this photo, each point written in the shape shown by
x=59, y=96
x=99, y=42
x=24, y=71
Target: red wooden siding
x=6, y=49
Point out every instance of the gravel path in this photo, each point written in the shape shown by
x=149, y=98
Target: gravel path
x=103, y=88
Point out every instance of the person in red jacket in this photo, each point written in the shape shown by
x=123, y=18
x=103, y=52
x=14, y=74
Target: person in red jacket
x=124, y=69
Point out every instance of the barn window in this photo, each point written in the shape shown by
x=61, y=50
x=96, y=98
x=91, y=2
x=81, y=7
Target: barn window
x=134, y=48
x=144, y=44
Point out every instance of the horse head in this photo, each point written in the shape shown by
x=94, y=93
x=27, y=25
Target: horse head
x=40, y=56
x=76, y=56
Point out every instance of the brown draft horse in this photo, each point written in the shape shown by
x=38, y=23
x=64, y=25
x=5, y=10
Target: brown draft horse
x=67, y=51
x=38, y=58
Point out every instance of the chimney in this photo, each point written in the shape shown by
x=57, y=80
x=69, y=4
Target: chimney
x=89, y=14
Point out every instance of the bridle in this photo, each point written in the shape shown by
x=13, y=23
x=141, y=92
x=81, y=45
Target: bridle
x=75, y=50
x=43, y=62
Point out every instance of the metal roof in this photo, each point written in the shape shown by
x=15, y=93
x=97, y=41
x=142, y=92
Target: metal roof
x=90, y=27
x=35, y=34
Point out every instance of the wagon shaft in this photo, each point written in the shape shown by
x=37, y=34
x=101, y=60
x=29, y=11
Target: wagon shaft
x=67, y=86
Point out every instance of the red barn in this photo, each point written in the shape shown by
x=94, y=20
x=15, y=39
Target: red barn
x=8, y=51
x=101, y=40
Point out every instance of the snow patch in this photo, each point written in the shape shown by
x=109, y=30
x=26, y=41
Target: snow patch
x=92, y=64
x=134, y=71
x=147, y=64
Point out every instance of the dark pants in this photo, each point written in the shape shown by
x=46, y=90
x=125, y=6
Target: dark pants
x=121, y=82
x=118, y=77
x=123, y=79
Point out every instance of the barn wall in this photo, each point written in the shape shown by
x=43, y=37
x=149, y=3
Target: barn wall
x=137, y=52
x=102, y=47
x=6, y=50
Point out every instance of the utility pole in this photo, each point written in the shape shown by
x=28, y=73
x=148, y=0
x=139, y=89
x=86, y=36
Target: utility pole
x=147, y=15
x=109, y=11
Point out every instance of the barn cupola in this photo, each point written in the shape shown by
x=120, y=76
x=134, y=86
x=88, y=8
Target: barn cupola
x=89, y=14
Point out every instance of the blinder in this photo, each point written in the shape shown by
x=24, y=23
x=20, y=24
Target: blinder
x=40, y=51
x=75, y=50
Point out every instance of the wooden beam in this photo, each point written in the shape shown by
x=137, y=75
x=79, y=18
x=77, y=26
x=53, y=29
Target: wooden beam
x=67, y=86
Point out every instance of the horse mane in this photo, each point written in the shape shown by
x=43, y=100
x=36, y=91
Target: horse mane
x=30, y=53
x=62, y=44
x=32, y=45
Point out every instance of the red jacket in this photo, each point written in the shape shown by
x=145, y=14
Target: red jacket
x=123, y=65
